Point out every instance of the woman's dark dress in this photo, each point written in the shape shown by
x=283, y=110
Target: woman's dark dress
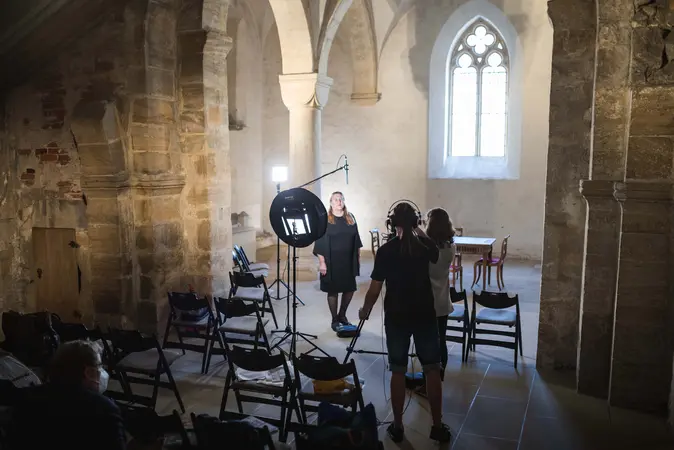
x=339, y=246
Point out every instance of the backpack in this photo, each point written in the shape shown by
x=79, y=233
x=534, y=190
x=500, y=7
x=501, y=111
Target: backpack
x=340, y=429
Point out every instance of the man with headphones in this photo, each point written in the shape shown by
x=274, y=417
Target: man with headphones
x=403, y=263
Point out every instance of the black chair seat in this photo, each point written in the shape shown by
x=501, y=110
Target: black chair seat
x=243, y=325
x=146, y=361
x=496, y=316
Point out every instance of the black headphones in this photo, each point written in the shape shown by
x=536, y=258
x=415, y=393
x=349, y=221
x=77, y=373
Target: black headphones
x=391, y=219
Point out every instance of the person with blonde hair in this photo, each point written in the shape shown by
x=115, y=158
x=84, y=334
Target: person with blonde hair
x=338, y=253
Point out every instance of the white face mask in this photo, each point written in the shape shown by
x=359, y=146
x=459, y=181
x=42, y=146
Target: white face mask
x=103, y=380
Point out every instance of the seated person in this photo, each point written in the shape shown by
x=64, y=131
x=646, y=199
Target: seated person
x=69, y=411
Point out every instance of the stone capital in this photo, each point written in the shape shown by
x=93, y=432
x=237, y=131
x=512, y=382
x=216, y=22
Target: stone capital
x=305, y=90
x=643, y=191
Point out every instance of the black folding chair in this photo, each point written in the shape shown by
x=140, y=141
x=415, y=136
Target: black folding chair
x=280, y=393
x=251, y=265
x=139, y=359
x=460, y=315
x=496, y=310
x=321, y=368
x=247, y=286
x=190, y=317
x=239, y=322
x=242, y=265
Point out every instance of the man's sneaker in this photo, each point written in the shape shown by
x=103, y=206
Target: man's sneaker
x=396, y=433
x=441, y=433
x=335, y=325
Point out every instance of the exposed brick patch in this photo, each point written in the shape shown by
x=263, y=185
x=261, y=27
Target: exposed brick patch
x=28, y=177
x=52, y=153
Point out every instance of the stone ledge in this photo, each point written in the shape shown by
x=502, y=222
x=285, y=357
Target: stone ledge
x=365, y=98
x=122, y=180
x=646, y=191
x=597, y=188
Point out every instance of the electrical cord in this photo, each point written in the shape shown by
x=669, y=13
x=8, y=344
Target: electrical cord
x=386, y=366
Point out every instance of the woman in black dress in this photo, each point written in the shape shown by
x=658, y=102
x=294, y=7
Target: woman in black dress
x=338, y=252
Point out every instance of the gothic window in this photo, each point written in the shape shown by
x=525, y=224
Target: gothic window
x=477, y=78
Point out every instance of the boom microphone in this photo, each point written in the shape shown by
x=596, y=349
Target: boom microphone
x=346, y=168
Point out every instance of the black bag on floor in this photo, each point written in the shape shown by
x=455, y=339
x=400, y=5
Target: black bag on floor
x=30, y=337
x=341, y=429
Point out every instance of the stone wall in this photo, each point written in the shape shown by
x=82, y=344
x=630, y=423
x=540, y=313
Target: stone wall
x=611, y=107
x=125, y=139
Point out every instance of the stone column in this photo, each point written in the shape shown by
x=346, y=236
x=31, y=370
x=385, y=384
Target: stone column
x=204, y=139
x=607, y=165
x=157, y=178
x=105, y=182
x=642, y=346
x=593, y=371
x=305, y=95
x=571, y=97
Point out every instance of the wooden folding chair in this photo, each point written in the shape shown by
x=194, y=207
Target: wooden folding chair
x=460, y=315
x=192, y=318
x=326, y=369
x=136, y=354
x=239, y=322
x=247, y=286
x=279, y=393
x=497, y=309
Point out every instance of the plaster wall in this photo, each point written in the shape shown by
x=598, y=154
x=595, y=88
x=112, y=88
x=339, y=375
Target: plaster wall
x=387, y=144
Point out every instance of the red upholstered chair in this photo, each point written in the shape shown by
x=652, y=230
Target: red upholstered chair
x=456, y=269
x=493, y=262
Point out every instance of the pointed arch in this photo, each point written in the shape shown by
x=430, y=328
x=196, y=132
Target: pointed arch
x=440, y=163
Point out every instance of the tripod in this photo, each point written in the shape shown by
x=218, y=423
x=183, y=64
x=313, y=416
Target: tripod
x=278, y=281
x=291, y=330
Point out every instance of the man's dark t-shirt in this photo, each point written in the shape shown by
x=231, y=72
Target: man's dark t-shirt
x=409, y=295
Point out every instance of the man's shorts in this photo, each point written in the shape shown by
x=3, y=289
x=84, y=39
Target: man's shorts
x=426, y=343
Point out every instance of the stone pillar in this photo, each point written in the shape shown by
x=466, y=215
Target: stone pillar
x=593, y=371
x=642, y=348
x=105, y=182
x=156, y=167
x=571, y=97
x=607, y=165
x=204, y=138
x=305, y=95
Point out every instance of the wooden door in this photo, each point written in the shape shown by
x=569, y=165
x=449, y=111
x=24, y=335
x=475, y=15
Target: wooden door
x=55, y=272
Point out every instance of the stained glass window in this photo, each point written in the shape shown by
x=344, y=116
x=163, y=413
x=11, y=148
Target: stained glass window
x=478, y=87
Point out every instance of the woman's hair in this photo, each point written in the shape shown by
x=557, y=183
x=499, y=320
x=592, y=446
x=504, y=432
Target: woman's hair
x=71, y=360
x=405, y=217
x=347, y=216
x=440, y=228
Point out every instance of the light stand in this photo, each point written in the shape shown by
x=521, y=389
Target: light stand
x=291, y=330
x=278, y=281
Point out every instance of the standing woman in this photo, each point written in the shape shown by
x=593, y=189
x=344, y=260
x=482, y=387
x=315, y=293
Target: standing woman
x=338, y=253
x=441, y=231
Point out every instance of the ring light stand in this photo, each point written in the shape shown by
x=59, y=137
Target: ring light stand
x=281, y=228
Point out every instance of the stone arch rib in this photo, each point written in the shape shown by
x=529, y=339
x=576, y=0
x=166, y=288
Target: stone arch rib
x=294, y=35
x=359, y=24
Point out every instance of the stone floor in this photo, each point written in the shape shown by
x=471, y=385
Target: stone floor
x=488, y=403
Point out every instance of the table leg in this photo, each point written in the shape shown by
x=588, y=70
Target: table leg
x=485, y=259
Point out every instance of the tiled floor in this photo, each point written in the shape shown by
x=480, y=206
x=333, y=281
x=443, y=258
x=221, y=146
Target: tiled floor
x=487, y=402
